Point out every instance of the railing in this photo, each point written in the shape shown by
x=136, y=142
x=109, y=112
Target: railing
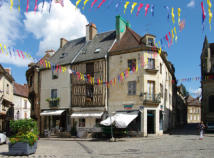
x=54, y=103
x=151, y=98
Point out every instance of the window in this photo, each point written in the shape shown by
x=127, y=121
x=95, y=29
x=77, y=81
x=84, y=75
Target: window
x=132, y=64
x=160, y=68
x=190, y=110
x=25, y=104
x=165, y=95
x=90, y=69
x=170, y=99
x=150, y=41
x=132, y=88
x=211, y=103
x=161, y=90
x=151, y=63
x=81, y=122
x=54, y=75
x=7, y=90
x=194, y=117
x=53, y=93
x=190, y=118
x=89, y=93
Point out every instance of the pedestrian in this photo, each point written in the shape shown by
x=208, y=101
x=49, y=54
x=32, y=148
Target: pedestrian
x=201, y=128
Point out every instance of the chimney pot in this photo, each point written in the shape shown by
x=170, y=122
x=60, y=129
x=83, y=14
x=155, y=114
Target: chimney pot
x=63, y=41
x=91, y=31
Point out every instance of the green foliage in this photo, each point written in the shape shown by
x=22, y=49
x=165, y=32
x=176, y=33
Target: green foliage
x=52, y=99
x=24, y=131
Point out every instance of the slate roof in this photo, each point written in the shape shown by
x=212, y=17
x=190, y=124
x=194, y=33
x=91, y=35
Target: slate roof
x=79, y=50
x=193, y=101
x=20, y=90
x=211, y=45
x=3, y=71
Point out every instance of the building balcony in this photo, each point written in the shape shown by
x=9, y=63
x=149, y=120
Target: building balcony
x=151, y=69
x=153, y=99
x=53, y=102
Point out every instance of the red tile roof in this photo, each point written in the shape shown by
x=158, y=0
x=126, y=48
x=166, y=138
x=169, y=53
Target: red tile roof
x=193, y=101
x=20, y=90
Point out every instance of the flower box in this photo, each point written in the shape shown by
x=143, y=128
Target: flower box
x=22, y=148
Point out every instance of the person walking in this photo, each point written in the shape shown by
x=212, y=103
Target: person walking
x=201, y=128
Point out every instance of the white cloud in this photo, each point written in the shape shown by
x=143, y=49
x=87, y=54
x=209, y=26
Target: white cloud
x=10, y=56
x=195, y=92
x=10, y=24
x=67, y=22
x=191, y=4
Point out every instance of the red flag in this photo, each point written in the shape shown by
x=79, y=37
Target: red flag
x=167, y=39
x=18, y=53
x=139, y=8
x=101, y=3
x=92, y=4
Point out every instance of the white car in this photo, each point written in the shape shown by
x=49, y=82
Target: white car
x=3, y=138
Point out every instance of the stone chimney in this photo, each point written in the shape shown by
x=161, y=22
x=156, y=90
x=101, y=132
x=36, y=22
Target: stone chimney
x=8, y=70
x=121, y=25
x=91, y=31
x=50, y=52
x=63, y=41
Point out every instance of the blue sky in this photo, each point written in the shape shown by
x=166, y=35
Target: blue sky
x=36, y=32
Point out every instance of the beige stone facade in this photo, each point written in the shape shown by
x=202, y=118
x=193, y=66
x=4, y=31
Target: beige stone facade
x=153, y=94
x=6, y=98
x=194, y=114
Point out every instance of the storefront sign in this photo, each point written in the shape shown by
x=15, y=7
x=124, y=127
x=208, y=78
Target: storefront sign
x=128, y=107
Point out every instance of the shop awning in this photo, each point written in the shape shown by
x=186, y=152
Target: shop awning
x=120, y=119
x=86, y=114
x=51, y=112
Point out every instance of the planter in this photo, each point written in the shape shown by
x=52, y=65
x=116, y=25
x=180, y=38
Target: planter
x=21, y=148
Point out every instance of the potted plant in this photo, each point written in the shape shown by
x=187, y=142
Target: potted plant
x=24, y=137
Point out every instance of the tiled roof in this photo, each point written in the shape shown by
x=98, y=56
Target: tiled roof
x=2, y=70
x=20, y=90
x=129, y=40
x=193, y=101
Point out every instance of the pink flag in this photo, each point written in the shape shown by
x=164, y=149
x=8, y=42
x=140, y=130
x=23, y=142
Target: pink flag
x=202, y=7
x=60, y=2
x=139, y=8
x=18, y=53
x=36, y=6
x=27, y=6
x=92, y=4
x=171, y=38
x=101, y=3
x=167, y=39
x=146, y=9
x=22, y=55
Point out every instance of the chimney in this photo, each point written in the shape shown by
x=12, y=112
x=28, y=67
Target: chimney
x=121, y=25
x=91, y=31
x=63, y=41
x=8, y=70
x=50, y=52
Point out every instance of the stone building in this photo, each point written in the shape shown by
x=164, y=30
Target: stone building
x=34, y=87
x=6, y=98
x=148, y=90
x=193, y=110
x=207, y=83
x=22, y=105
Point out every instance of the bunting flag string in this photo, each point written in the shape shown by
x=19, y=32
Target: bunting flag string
x=179, y=14
x=36, y=6
x=77, y=3
x=210, y=13
x=173, y=16
x=167, y=8
x=92, y=4
x=152, y=9
x=203, y=14
x=101, y=3
x=27, y=6
x=133, y=6
x=146, y=9
x=125, y=6
x=11, y=4
x=85, y=2
x=139, y=8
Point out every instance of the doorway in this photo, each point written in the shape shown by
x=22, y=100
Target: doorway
x=150, y=121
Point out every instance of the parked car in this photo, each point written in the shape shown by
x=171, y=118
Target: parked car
x=210, y=127
x=3, y=138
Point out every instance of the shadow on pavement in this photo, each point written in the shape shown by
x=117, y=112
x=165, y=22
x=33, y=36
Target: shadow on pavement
x=188, y=129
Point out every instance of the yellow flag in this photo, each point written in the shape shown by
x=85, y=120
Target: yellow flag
x=1, y=48
x=172, y=34
x=6, y=49
x=179, y=14
x=19, y=6
x=78, y=2
x=176, y=37
x=133, y=6
x=125, y=6
x=85, y=3
x=173, y=16
x=136, y=66
x=11, y=4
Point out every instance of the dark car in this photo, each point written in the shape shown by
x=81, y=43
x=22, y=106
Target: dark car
x=210, y=127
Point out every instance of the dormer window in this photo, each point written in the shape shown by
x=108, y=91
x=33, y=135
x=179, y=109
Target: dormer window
x=63, y=55
x=150, y=41
x=97, y=50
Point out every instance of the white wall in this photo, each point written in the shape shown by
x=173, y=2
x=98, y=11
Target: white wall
x=19, y=105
